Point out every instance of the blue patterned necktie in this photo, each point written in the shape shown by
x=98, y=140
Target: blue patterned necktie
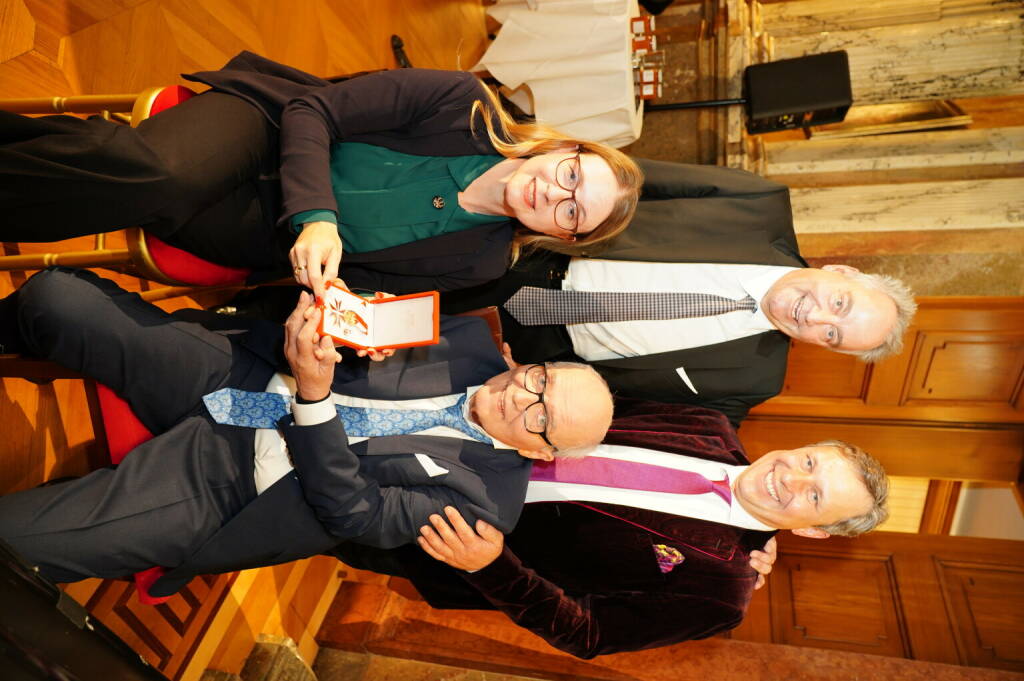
x=263, y=410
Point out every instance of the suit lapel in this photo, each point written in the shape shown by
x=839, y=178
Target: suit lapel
x=713, y=539
x=727, y=355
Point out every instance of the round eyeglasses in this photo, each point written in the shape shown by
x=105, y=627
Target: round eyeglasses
x=568, y=176
x=535, y=416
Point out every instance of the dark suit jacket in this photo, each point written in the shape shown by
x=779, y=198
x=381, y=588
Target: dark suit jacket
x=413, y=111
x=687, y=214
x=718, y=215
x=376, y=491
x=585, y=576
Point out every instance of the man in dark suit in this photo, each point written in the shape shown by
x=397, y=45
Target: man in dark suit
x=204, y=496
x=596, y=577
x=712, y=230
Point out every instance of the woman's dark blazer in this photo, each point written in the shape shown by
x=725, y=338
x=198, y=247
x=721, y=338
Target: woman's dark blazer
x=413, y=111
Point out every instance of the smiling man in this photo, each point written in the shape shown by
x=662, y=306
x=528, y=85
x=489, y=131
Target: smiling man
x=696, y=301
x=599, y=566
x=252, y=466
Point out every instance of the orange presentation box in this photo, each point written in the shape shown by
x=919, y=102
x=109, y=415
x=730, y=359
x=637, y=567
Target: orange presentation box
x=399, y=322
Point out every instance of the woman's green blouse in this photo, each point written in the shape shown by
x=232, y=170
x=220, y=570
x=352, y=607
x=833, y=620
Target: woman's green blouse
x=387, y=198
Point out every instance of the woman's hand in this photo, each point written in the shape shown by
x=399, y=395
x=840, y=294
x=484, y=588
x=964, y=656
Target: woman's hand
x=316, y=255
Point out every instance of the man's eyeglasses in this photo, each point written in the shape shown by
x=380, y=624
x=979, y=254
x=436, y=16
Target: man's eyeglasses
x=535, y=380
x=568, y=176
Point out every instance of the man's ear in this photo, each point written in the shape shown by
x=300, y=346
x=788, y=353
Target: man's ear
x=811, y=533
x=538, y=454
x=841, y=269
x=506, y=354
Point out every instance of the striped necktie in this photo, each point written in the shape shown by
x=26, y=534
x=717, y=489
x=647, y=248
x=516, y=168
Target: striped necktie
x=533, y=306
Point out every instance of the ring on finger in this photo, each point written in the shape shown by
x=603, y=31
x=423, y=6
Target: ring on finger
x=299, y=268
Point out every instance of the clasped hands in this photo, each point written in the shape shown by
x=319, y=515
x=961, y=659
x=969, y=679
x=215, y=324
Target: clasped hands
x=456, y=543
x=311, y=356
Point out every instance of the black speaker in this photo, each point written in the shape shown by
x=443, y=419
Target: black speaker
x=797, y=93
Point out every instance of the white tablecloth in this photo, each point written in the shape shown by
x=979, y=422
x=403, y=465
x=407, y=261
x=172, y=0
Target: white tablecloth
x=572, y=58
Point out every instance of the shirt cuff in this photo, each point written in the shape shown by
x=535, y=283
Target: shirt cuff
x=314, y=414
x=299, y=219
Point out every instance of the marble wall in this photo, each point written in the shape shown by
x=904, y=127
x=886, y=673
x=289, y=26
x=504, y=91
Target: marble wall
x=936, y=54
x=942, y=209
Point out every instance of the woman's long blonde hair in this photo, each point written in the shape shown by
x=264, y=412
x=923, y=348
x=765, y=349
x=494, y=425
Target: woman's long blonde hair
x=520, y=140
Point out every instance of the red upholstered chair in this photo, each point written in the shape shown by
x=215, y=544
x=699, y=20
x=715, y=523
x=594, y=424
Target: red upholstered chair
x=146, y=256
x=118, y=431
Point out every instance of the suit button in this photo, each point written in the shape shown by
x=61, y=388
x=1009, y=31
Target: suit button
x=438, y=202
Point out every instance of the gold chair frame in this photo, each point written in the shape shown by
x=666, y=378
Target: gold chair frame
x=135, y=259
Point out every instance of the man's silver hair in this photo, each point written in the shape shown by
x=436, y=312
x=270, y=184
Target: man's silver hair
x=903, y=298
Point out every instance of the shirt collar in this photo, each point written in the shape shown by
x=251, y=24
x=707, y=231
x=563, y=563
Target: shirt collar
x=498, y=444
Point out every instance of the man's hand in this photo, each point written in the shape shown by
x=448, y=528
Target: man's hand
x=373, y=353
x=310, y=357
x=762, y=561
x=461, y=547
x=316, y=255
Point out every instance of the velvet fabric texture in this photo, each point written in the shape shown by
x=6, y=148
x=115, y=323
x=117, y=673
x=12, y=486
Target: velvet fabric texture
x=587, y=578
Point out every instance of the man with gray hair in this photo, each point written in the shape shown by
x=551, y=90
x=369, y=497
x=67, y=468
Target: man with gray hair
x=696, y=301
x=603, y=567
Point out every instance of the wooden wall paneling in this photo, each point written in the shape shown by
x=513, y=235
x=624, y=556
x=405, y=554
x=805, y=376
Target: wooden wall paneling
x=995, y=361
x=907, y=449
x=940, y=506
x=958, y=599
x=837, y=601
x=926, y=620
x=984, y=602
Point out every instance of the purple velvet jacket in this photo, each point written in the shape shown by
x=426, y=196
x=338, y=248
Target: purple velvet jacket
x=586, y=577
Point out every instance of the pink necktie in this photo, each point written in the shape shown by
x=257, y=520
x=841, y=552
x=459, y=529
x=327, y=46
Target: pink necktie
x=596, y=470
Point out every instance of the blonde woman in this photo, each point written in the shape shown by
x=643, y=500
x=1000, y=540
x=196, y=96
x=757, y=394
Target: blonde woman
x=399, y=181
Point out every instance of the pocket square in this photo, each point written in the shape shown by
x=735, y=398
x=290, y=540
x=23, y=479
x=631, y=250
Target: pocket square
x=668, y=557
x=432, y=469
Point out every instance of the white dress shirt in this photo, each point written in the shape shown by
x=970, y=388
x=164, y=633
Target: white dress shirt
x=708, y=506
x=613, y=340
x=271, y=452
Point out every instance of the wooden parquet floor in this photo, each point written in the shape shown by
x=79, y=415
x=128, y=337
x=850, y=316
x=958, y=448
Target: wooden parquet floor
x=64, y=47
x=104, y=46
